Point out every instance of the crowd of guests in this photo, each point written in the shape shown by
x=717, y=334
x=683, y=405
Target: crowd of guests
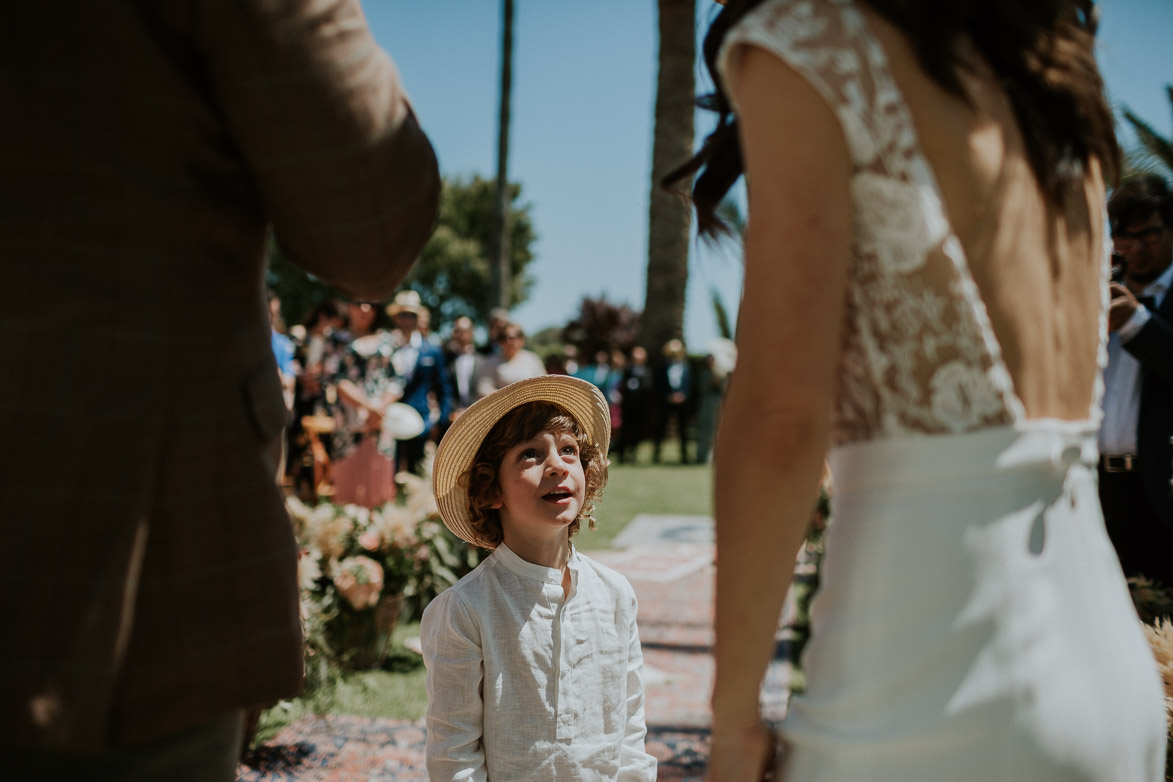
x=369, y=387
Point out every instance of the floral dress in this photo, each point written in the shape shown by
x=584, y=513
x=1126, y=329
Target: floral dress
x=366, y=362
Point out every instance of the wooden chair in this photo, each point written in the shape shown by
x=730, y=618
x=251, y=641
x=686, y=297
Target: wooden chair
x=315, y=427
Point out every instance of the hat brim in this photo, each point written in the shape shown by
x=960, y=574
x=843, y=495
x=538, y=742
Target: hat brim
x=401, y=309
x=457, y=450
x=403, y=421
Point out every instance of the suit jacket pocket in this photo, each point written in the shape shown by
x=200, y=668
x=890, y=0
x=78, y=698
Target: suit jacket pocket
x=264, y=401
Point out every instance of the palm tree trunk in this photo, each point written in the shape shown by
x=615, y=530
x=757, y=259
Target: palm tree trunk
x=669, y=215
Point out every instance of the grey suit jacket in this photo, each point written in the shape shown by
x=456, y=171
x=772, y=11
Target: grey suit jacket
x=147, y=146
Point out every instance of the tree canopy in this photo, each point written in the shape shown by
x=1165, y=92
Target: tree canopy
x=453, y=273
x=601, y=325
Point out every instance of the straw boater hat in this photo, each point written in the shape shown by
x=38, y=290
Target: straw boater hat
x=582, y=400
x=406, y=301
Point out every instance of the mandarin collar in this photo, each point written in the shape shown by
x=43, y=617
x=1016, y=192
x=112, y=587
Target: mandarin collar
x=525, y=569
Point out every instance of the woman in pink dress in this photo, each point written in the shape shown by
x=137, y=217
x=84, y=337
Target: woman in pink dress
x=364, y=466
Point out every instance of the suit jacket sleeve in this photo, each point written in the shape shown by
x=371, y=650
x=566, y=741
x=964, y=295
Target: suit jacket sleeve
x=1153, y=347
x=340, y=163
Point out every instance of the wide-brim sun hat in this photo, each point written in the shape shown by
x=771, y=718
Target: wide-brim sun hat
x=454, y=457
x=406, y=302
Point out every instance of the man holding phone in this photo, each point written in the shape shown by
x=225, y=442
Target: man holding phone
x=1136, y=456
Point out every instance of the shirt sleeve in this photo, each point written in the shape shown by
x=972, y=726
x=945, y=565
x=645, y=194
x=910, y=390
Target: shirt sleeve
x=454, y=681
x=635, y=764
x=1134, y=324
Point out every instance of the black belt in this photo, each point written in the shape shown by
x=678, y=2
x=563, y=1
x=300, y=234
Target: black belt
x=1119, y=462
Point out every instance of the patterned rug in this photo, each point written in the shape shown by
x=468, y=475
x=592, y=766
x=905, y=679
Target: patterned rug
x=353, y=749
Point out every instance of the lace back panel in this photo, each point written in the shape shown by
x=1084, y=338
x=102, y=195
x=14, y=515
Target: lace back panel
x=919, y=356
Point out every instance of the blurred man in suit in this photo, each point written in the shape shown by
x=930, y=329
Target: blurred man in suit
x=420, y=367
x=463, y=365
x=1136, y=457
x=149, y=591
x=674, y=397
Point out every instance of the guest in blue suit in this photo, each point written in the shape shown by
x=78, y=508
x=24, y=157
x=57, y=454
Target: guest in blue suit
x=420, y=366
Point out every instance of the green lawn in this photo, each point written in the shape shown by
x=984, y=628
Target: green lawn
x=397, y=690
x=635, y=489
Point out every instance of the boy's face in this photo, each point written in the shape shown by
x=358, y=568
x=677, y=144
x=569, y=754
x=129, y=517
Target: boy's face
x=542, y=486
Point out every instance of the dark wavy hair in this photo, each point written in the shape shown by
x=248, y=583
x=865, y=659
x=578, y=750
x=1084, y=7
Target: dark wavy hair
x=1138, y=198
x=518, y=425
x=1042, y=50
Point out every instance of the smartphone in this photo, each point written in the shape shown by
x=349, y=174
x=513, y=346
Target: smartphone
x=1119, y=267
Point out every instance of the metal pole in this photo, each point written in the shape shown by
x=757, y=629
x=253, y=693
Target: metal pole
x=501, y=247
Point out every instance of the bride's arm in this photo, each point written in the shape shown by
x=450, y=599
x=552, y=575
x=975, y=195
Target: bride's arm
x=774, y=427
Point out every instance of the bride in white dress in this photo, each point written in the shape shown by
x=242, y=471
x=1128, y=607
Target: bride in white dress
x=924, y=298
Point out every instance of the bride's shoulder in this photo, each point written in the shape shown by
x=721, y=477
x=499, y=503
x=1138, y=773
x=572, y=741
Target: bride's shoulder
x=826, y=40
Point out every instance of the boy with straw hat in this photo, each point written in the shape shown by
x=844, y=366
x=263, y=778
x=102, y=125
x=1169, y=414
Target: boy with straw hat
x=533, y=659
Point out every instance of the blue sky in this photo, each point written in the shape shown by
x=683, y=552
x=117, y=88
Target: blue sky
x=581, y=136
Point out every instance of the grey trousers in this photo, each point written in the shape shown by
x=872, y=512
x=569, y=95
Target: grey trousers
x=207, y=753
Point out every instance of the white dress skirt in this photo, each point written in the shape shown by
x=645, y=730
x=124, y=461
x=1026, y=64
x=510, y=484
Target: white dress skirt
x=973, y=622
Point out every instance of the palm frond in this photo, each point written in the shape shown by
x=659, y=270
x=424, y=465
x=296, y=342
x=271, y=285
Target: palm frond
x=1151, y=141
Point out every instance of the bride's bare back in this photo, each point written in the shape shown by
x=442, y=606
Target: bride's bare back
x=1038, y=268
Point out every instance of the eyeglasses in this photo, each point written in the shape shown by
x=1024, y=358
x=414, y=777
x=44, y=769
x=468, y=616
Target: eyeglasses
x=1148, y=235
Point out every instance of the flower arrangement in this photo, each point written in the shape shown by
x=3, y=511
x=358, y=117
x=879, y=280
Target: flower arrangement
x=361, y=568
x=1154, y=605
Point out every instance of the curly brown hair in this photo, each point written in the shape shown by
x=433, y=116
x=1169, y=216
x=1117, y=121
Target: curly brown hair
x=518, y=425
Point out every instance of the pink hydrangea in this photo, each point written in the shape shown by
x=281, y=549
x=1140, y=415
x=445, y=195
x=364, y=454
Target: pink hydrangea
x=371, y=540
x=360, y=581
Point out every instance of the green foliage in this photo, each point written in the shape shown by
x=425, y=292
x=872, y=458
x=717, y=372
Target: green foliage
x=394, y=691
x=299, y=292
x=633, y=489
x=807, y=576
x=443, y=560
x=547, y=342
x=1155, y=153
x=453, y=275
x=454, y=272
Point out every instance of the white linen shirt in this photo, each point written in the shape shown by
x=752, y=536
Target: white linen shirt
x=525, y=685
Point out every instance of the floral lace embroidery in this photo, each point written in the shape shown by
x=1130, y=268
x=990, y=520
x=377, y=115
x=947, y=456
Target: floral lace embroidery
x=919, y=354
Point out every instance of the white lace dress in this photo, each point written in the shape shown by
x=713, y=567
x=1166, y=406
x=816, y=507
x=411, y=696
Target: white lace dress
x=973, y=622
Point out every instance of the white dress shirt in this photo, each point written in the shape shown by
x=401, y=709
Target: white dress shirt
x=1122, y=377
x=524, y=684
x=407, y=355
x=464, y=369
